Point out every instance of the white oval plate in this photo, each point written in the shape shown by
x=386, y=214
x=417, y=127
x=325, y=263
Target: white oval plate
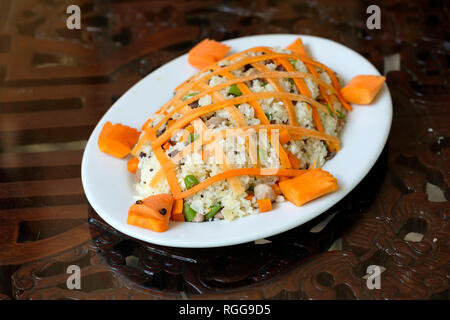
x=109, y=186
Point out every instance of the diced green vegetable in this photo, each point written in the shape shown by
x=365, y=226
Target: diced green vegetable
x=193, y=137
x=190, y=181
x=234, y=90
x=291, y=81
x=251, y=188
x=213, y=210
x=292, y=61
x=268, y=115
x=329, y=109
x=340, y=114
x=190, y=95
x=189, y=213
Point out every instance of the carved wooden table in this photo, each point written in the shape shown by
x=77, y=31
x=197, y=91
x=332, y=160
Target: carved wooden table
x=56, y=83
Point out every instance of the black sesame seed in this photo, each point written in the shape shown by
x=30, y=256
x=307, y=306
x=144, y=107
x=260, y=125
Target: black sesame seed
x=139, y=202
x=330, y=155
x=151, y=169
x=174, y=153
x=194, y=104
x=163, y=211
x=142, y=155
x=247, y=67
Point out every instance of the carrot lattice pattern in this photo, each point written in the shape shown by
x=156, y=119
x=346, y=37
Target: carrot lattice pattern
x=187, y=110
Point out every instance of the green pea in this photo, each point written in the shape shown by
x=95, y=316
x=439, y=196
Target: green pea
x=234, y=90
x=190, y=181
x=189, y=213
x=213, y=210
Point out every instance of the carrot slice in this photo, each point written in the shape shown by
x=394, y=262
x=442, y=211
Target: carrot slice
x=308, y=186
x=297, y=47
x=362, y=89
x=264, y=205
x=166, y=145
x=238, y=172
x=276, y=189
x=132, y=164
x=207, y=52
x=284, y=136
x=177, y=211
x=151, y=213
x=295, y=162
x=117, y=140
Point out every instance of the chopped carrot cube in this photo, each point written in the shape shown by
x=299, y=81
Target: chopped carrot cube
x=362, y=89
x=264, y=205
x=132, y=164
x=207, y=52
x=313, y=184
x=117, y=140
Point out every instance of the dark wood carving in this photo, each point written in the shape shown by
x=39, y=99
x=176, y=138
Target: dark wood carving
x=56, y=83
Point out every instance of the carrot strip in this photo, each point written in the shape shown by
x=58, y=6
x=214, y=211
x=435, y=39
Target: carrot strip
x=238, y=172
x=295, y=162
x=164, y=161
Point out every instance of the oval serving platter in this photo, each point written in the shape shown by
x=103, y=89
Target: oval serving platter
x=109, y=186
